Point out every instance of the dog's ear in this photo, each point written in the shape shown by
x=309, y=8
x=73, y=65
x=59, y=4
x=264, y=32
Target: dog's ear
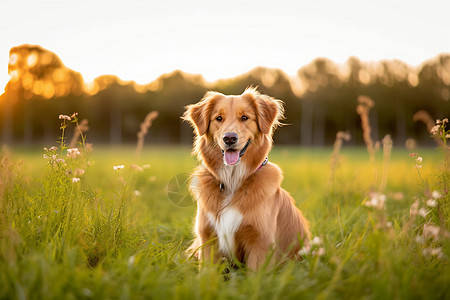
x=269, y=113
x=199, y=114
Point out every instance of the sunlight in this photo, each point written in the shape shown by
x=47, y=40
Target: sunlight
x=14, y=74
x=91, y=87
x=32, y=59
x=38, y=87
x=60, y=75
x=27, y=81
x=13, y=59
x=49, y=90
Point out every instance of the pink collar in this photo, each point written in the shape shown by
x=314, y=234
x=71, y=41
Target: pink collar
x=263, y=164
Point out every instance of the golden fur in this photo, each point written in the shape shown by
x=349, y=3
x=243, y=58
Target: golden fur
x=242, y=205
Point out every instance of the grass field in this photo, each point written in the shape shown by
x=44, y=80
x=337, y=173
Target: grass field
x=117, y=234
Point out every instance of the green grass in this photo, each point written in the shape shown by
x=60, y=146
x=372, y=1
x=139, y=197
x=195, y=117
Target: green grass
x=100, y=239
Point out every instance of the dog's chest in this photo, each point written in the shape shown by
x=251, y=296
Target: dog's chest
x=225, y=225
x=231, y=177
x=228, y=220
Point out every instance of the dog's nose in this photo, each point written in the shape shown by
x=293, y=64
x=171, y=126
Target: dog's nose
x=230, y=138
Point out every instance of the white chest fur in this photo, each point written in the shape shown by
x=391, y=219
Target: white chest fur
x=232, y=176
x=226, y=224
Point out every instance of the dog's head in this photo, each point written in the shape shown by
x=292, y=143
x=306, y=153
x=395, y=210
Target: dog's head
x=233, y=123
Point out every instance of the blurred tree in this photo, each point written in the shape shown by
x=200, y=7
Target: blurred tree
x=36, y=74
x=320, y=100
x=321, y=81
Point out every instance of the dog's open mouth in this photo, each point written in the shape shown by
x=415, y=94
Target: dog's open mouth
x=232, y=156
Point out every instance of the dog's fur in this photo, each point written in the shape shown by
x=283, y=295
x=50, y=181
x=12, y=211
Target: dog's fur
x=241, y=203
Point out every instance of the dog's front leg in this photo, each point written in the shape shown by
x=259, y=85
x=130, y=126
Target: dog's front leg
x=206, y=238
x=257, y=255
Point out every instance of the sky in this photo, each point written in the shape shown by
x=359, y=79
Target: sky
x=140, y=40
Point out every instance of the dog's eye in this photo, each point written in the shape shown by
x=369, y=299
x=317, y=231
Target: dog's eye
x=219, y=118
x=244, y=118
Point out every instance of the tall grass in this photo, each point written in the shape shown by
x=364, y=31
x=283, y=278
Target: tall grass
x=74, y=227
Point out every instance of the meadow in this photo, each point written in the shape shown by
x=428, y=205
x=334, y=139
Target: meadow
x=102, y=224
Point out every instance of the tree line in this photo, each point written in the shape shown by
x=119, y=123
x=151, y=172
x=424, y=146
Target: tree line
x=319, y=101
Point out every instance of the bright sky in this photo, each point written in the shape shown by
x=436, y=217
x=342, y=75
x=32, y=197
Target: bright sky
x=139, y=40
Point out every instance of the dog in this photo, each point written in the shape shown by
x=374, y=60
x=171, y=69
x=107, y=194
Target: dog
x=243, y=213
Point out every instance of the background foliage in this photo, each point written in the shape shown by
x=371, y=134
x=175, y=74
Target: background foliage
x=319, y=100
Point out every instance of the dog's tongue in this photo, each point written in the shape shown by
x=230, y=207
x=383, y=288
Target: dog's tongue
x=231, y=157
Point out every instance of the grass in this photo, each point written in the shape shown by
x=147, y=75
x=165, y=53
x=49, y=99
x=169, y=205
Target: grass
x=116, y=234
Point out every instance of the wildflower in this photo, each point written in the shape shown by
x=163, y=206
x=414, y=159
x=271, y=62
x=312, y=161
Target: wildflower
x=423, y=212
x=414, y=209
x=433, y=252
x=53, y=148
x=119, y=167
x=418, y=164
x=420, y=239
x=137, y=193
x=78, y=172
x=413, y=154
x=431, y=231
x=75, y=179
x=431, y=203
x=435, y=130
x=131, y=260
x=376, y=201
x=73, y=152
x=436, y=195
x=45, y=149
x=87, y=292
x=304, y=251
x=64, y=117
x=316, y=241
x=74, y=115
x=389, y=224
x=319, y=252
x=60, y=161
x=45, y=156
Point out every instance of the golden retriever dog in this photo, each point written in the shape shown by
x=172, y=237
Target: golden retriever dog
x=242, y=211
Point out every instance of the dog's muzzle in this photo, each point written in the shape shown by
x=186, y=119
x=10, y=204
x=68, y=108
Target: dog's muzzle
x=232, y=156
